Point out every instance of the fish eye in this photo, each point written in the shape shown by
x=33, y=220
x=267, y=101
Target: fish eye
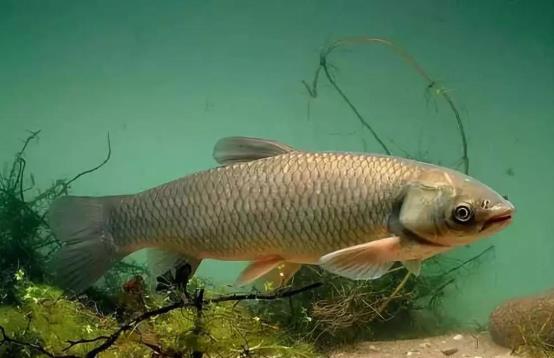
x=463, y=213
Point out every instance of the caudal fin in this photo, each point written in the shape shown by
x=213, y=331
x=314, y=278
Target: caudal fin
x=82, y=224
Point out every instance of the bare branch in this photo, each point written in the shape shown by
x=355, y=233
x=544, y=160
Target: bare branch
x=198, y=302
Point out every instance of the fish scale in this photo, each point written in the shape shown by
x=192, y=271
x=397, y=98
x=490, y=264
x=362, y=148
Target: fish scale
x=302, y=201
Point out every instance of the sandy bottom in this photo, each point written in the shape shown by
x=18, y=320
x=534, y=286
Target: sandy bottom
x=467, y=345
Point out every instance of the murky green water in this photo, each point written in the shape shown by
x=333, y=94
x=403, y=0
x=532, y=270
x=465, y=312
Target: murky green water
x=167, y=79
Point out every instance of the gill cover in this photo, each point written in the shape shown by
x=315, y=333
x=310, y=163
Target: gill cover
x=423, y=208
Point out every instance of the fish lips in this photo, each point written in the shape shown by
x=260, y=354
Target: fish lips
x=498, y=221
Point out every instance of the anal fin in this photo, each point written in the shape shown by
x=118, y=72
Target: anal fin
x=279, y=276
x=257, y=269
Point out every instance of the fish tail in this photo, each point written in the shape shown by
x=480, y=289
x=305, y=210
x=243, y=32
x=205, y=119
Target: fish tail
x=83, y=226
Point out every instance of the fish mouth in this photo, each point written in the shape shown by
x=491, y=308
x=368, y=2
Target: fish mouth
x=503, y=219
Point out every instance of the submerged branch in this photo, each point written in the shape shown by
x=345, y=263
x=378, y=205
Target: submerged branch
x=400, y=286
x=5, y=339
x=282, y=293
x=198, y=302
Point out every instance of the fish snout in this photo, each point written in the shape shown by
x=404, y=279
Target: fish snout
x=501, y=215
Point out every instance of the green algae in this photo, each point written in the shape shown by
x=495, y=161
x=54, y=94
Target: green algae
x=228, y=329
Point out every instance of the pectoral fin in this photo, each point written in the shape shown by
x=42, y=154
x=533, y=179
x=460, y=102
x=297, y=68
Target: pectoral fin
x=363, y=262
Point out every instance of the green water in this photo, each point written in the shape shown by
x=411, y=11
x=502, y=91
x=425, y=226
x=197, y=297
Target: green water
x=167, y=79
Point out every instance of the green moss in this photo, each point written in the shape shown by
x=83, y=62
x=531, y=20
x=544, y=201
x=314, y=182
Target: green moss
x=47, y=318
x=225, y=329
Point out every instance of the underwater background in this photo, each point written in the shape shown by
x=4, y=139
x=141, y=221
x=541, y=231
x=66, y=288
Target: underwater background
x=167, y=79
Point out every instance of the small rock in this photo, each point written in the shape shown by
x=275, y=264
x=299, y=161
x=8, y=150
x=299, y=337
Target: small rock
x=458, y=337
x=477, y=357
x=425, y=345
x=411, y=353
x=529, y=315
x=372, y=348
x=449, y=352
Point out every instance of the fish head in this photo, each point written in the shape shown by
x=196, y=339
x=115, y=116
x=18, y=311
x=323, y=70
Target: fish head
x=447, y=208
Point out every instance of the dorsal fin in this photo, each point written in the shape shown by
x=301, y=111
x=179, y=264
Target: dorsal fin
x=230, y=150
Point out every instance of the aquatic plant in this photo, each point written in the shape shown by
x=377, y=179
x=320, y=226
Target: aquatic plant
x=26, y=242
x=22, y=226
x=343, y=311
x=196, y=324
x=535, y=345
x=432, y=86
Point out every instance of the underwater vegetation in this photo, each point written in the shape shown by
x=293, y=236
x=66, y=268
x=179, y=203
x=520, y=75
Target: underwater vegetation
x=123, y=317
x=203, y=324
x=24, y=243
x=344, y=311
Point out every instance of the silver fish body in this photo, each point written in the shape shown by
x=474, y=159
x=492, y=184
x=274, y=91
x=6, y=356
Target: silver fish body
x=284, y=206
x=293, y=204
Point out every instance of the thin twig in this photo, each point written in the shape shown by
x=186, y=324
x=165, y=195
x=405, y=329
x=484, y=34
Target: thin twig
x=61, y=186
x=393, y=294
x=22, y=151
x=464, y=263
x=108, y=156
x=37, y=347
x=430, y=84
x=353, y=108
x=282, y=293
x=81, y=341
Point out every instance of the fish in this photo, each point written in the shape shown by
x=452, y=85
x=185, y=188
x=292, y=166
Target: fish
x=279, y=208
